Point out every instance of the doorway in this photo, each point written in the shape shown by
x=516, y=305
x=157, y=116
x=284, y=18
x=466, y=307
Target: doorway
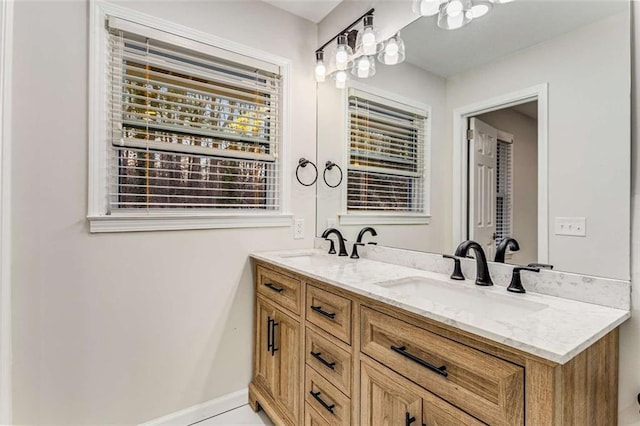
x=502, y=173
x=530, y=103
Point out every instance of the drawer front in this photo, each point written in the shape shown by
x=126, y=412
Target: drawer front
x=436, y=412
x=330, y=312
x=331, y=404
x=312, y=418
x=282, y=290
x=332, y=362
x=484, y=386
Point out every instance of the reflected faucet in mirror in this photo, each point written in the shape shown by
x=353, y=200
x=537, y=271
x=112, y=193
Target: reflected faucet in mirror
x=341, y=240
x=363, y=231
x=501, y=250
x=482, y=270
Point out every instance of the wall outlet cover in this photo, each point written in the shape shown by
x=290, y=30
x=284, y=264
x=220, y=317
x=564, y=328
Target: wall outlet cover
x=298, y=229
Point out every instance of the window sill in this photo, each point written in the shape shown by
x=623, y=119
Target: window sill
x=384, y=219
x=176, y=222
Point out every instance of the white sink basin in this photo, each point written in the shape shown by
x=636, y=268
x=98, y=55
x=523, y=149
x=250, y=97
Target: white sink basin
x=475, y=300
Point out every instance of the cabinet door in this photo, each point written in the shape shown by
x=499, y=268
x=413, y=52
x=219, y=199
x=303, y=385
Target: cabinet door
x=287, y=378
x=437, y=412
x=264, y=360
x=387, y=398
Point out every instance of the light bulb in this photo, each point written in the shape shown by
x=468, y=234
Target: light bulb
x=321, y=71
x=391, y=47
x=479, y=10
x=456, y=21
x=341, y=79
x=454, y=8
x=364, y=65
x=369, y=41
x=391, y=58
x=429, y=7
x=342, y=58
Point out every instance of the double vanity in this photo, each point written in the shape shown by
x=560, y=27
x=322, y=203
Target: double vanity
x=340, y=341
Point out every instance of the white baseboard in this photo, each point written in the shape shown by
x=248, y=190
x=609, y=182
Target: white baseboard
x=202, y=411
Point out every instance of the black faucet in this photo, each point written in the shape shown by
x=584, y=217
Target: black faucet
x=457, y=270
x=343, y=249
x=516, y=283
x=501, y=250
x=364, y=231
x=482, y=270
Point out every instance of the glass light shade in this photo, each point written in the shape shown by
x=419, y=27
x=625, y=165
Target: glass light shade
x=393, y=51
x=454, y=14
x=480, y=8
x=321, y=71
x=343, y=54
x=341, y=79
x=369, y=45
x=427, y=7
x=364, y=67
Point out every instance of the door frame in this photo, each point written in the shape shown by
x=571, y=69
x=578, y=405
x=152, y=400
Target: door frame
x=460, y=154
x=6, y=65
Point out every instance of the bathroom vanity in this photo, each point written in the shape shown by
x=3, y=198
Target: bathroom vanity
x=363, y=342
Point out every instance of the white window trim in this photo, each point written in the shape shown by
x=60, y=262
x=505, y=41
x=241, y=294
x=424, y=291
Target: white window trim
x=155, y=221
x=385, y=218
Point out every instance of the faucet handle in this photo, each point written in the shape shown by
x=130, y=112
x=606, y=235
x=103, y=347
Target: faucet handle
x=516, y=282
x=332, y=247
x=354, y=252
x=457, y=270
x=540, y=265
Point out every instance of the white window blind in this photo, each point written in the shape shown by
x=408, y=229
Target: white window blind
x=386, y=156
x=504, y=190
x=189, y=129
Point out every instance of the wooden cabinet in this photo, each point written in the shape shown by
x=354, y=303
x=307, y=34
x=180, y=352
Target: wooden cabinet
x=326, y=356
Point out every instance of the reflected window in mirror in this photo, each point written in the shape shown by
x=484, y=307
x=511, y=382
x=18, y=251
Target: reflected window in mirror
x=504, y=190
x=387, y=148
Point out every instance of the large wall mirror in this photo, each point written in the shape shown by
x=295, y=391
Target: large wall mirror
x=516, y=125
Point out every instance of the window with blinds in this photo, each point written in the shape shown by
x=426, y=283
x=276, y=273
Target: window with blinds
x=386, y=156
x=504, y=190
x=190, y=130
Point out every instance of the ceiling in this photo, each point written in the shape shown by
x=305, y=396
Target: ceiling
x=507, y=29
x=313, y=10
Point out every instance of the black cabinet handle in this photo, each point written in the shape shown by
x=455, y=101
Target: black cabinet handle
x=408, y=419
x=402, y=350
x=328, y=407
x=274, y=288
x=319, y=310
x=269, y=332
x=317, y=356
x=274, y=324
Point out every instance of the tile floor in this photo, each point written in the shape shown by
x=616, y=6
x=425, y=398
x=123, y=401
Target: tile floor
x=240, y=416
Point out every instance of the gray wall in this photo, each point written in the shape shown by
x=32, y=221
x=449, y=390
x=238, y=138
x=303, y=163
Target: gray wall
x=124, y=328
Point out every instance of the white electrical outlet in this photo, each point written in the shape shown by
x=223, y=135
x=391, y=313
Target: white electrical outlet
x=298, y=229
x=332, y=223
x=574, y=226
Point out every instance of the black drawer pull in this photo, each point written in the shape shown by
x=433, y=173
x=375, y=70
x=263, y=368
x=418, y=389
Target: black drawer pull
x=317, y=356
x=328, y=407
x=408, y=419
x=402, y=350
x=274, y=288
x=274, y=324
x=319, y=310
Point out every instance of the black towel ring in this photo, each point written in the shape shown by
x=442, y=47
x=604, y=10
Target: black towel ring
x=303, y=163
x=329, y=166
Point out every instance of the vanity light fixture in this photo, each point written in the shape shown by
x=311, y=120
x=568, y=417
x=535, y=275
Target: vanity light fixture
x=454, y=14
x=356, y=51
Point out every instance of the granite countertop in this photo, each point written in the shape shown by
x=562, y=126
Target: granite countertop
x=552, y=328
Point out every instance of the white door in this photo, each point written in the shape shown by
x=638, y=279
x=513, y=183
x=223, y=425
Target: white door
x=482, y=185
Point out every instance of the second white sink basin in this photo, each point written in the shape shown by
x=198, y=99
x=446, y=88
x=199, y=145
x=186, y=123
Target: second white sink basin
x=313, y=258
x=475, y=300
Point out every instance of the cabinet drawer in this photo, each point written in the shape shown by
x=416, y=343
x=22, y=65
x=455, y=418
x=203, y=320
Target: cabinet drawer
x=312, y=418
x=331, y=404
x=282, y=290
x=484, y=386
x=330, y=312
x=332, y=362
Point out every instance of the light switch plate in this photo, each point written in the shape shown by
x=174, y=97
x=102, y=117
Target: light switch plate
x=298, y=229
x=573, y=226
